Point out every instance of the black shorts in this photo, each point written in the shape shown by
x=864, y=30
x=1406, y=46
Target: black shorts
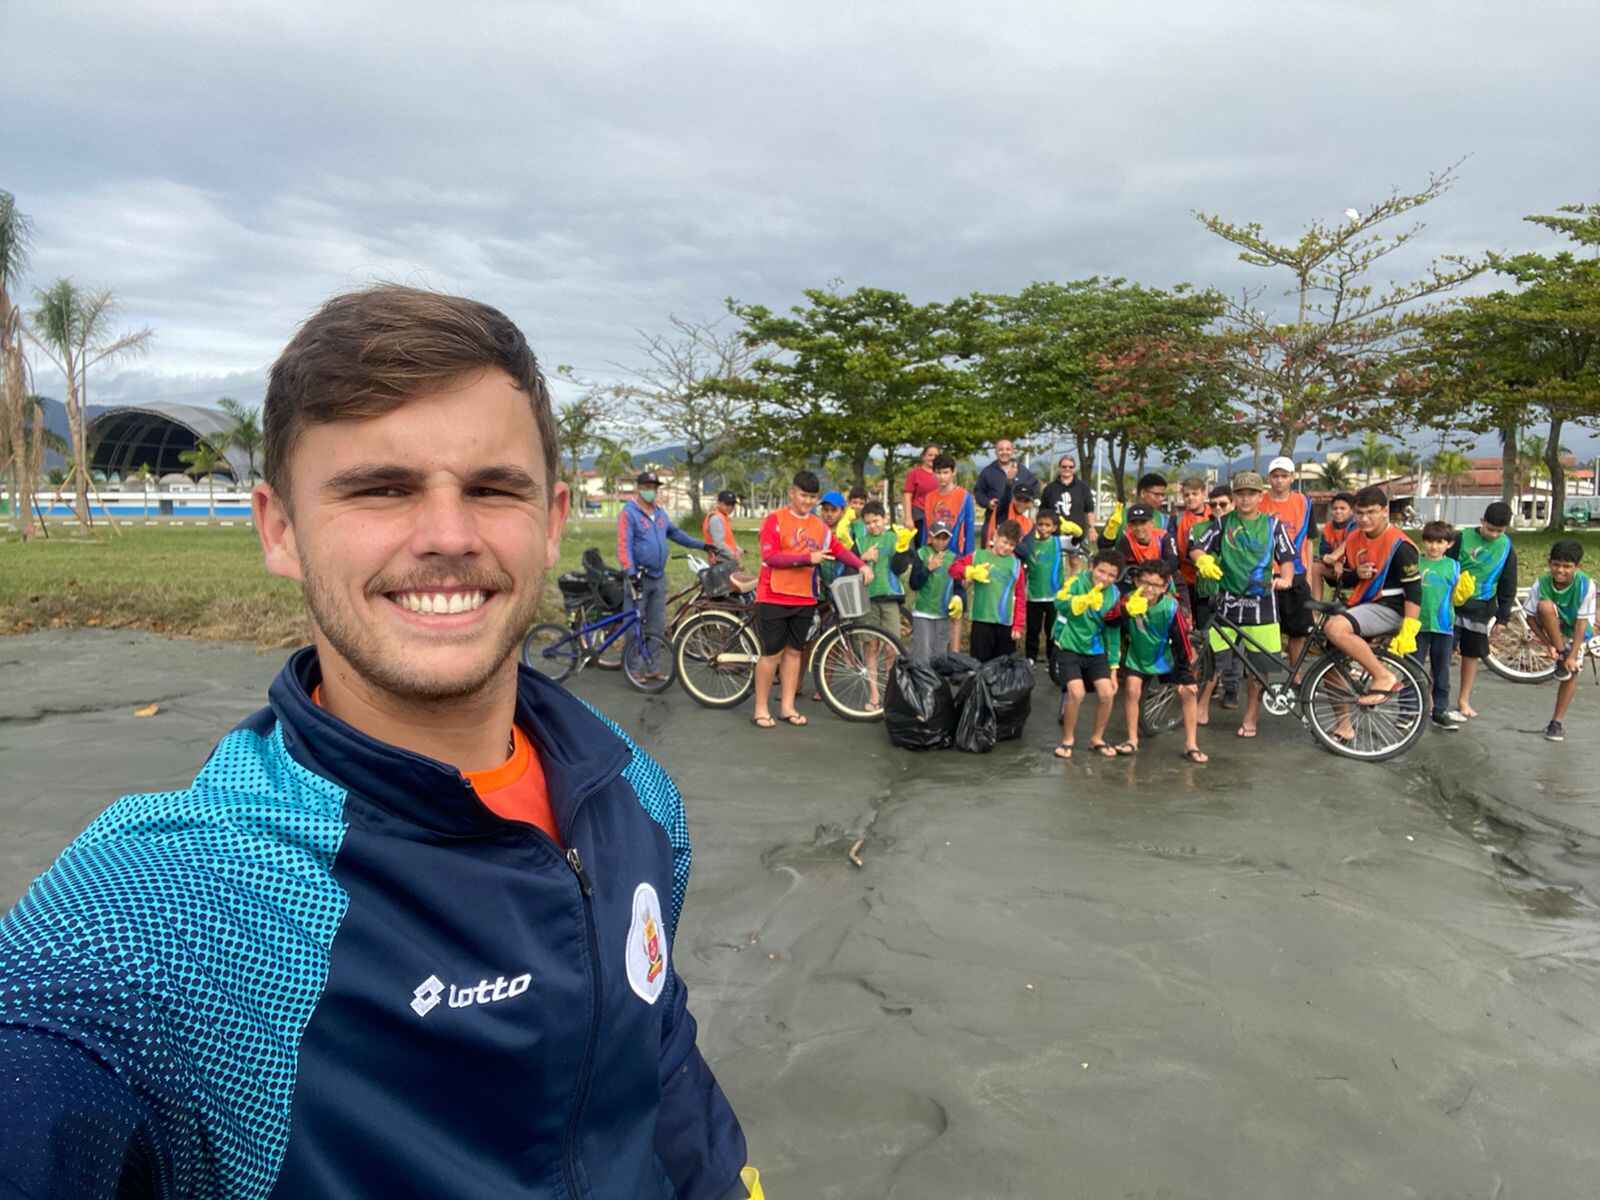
x=1294, y=608
x=783, y=626
x=1180, y=676
x=1473, y=643
x=1089, y=668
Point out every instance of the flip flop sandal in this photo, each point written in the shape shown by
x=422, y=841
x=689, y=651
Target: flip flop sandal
x=1382, y=694
x=764, y=722
x=1103, y=750
x=1068, y=747
x=1127, y=749
x=1196, y=756
x=795, y=719
x=1245, y=733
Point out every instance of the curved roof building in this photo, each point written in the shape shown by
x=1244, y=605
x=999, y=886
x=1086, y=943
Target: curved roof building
x=123, y=438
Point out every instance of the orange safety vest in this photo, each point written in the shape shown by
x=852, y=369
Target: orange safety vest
x=1379, y=551
x=727, y=525
x=1294, y=514
x=1335, y=536
x=797, y=535
x=1186, y=523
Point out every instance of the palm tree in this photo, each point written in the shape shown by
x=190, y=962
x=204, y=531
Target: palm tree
x=15, y=235
x=244, y=432
x=143, y=476
x=614, y=464
x=1336, y=475
x=1405, y=459
x=1372, y=458
x=71, y=327
x=204, y=459
x=1450, y=468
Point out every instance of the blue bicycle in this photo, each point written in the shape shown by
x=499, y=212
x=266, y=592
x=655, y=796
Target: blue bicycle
x=560, y=651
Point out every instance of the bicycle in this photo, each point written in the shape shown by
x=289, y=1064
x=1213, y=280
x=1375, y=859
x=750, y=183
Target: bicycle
x=559, y=651
x=718, y=586
x=1326, y=697
x=1519, y=655
x=848, y=661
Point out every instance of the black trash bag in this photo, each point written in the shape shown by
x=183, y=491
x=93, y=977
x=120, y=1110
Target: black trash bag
x=1010, y=681
x=919, y=711
x=976, y=727
x=956, y=668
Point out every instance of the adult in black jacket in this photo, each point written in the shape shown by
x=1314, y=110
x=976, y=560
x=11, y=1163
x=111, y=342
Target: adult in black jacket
x=992, y=496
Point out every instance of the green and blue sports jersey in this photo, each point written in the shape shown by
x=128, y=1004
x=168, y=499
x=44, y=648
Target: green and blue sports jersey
x=1485, y=559
x=932, y=599
x=1147, y=639
x=1047, y=561
x=1439, y=576
x=885, y=582
x=994, y=602
x=1086, y=632
x=1576, y=600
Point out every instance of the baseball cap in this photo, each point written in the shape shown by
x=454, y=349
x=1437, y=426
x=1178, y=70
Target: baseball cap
x=727, y=497
x=834, y=498
x=1248, y=481
x=1140, y=512
x=1281, y=463
x=937, y=528
x=644, y=477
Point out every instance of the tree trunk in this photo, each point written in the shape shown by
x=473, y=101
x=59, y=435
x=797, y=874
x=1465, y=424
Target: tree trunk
x=1255, y=458
x=1119, y=465
x=1508, y=462
x=858, y=466
x=696, y=472
x=1558, y=478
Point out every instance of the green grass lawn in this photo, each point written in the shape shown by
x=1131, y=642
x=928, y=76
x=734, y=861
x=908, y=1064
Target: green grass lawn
x=208, y=582
x=194, y=581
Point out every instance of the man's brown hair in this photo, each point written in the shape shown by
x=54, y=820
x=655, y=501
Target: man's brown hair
x=366, y=353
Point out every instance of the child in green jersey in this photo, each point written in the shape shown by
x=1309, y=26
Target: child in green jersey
x=1084, y=609
x=1045, y=553
x=933, y=600
x=1444, y=585
x=1562, y=608
x=1157, y=648
x=889, y=551
x=996, y=592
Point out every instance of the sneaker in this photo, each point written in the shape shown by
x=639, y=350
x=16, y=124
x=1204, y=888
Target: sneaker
x=1562, y=673
x=1444, y=724
x=1554, y=733
x=1456, y=717
x=1230, y=698
x=1033, y=664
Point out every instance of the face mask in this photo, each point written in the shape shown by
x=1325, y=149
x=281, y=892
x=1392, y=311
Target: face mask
x=648, y=495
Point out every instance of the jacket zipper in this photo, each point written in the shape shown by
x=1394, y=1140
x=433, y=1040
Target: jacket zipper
x=586, y=887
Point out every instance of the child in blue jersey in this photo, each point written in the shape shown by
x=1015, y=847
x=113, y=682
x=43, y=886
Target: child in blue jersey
x=1444, y=585
x=1561, y=608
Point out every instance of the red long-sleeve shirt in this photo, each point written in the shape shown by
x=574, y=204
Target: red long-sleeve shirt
x=774, y=556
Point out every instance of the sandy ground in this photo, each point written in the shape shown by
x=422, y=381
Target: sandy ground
x=1277, y=975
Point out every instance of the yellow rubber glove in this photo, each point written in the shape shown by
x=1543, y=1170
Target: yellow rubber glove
x=978, y=572
x=1114, y=525
x=1066, y=591
x=1136, y=605
x=1465, y=587
x=956, y=608
x=903, y=538
x=1207, y=567
x=1072, y=529
x=751, y=1178
x=1080, y=604
x=1405, y=642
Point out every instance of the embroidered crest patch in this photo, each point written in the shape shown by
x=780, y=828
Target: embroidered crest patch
x=647, y=946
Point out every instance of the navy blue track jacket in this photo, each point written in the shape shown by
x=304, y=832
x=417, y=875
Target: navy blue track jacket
x=326, y=969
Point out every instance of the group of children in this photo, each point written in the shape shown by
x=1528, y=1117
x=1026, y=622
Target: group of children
x=1128, y=615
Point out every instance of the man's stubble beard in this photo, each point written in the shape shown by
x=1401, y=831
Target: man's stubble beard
x=359, y=648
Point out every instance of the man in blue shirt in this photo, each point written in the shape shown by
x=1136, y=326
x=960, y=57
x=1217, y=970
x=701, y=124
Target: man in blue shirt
x=643, y=531
x=334, y=966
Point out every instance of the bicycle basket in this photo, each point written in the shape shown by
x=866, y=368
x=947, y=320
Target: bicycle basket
x=577, y=591
x=849, y=594
x=717, y=582
x=606, y=581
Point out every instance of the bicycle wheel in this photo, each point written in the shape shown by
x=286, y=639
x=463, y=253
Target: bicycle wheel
x=1376, y=732
x=647, y=662
x=716, y=655
x=551, y=650
x=852, y=670
x=1518, y=654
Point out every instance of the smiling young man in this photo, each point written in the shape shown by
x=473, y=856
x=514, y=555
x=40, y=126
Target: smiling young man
x=409, y=931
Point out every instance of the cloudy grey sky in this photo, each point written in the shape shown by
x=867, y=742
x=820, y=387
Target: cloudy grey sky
x=591, y=167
